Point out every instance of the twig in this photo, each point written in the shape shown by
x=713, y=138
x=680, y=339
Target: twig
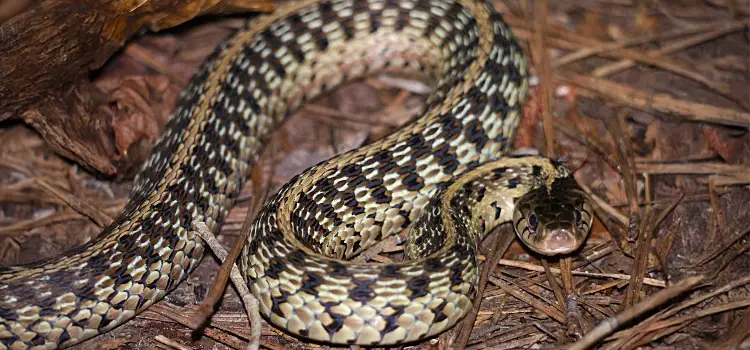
x=510, y=288
x=649, y=101
x=672, y=325
x=248, y=299
x=532, y=267
x=502, y=242
x=170, y=343
x=581, y=54
x=219, y=285
x=702, y=168
x=99, y=217
x=618, y=66
x=542, y=61
x=171, y=312
x=609, y=325
x=21, y=226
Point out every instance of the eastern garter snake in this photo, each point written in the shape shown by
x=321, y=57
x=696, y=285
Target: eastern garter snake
x=450, y=160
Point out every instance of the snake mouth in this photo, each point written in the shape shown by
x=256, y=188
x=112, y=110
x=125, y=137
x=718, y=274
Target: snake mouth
x=554, y=221
x=559, y=241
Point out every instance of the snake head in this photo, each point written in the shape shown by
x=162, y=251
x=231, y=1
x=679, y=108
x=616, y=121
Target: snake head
x=553, y=220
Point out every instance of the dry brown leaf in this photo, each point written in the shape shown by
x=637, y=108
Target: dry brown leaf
x=645, y=22
x=592, y=26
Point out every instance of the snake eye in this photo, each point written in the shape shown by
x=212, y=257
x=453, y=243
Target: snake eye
x=577, y=215
x=532, y=222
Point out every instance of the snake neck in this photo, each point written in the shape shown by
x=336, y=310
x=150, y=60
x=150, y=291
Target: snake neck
x=478, y=202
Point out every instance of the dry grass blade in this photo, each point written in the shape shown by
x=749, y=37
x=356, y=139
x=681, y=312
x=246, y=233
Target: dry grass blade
x=542, y=62
x=503, y=240
x=532, y=267
x=82, y=206
x=660, y=318
x=634, y=41
x=703, y=168
x=249, y=300
x=659, y=102
x=682, y=44
x=507, y=286
x=609, y=325
x=658, y=330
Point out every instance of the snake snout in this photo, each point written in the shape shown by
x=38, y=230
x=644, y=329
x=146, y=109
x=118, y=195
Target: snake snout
x=553, y=221
x=559, y=241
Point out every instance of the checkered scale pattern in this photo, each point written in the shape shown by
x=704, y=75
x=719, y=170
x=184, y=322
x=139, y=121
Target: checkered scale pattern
x=451, y=157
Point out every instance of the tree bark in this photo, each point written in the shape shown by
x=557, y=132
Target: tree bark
x=48, y=52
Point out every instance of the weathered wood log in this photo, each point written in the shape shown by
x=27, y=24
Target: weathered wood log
x=48, y=52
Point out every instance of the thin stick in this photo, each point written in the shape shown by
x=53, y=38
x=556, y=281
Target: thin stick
x=248, y=299
x=542, y=61
x=618, y=66
x=532, y=267
x=693, y=168
x=170, y=343
x=84, y=207
x=545, y=307
x=559, y=294
x=581, y=54
x=207, y=307
x=502, y=242
x=649, y=101
x=609, y=325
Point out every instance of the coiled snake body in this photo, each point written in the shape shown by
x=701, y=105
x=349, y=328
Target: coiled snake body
x=444, y=174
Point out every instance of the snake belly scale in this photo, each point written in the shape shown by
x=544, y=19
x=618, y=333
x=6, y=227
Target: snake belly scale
x=444, y=174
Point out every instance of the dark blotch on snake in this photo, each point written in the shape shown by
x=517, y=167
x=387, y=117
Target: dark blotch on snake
x=362, y=291
x=418, y=286
x=311, y=282
x=337, y=269
x=432, y=265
